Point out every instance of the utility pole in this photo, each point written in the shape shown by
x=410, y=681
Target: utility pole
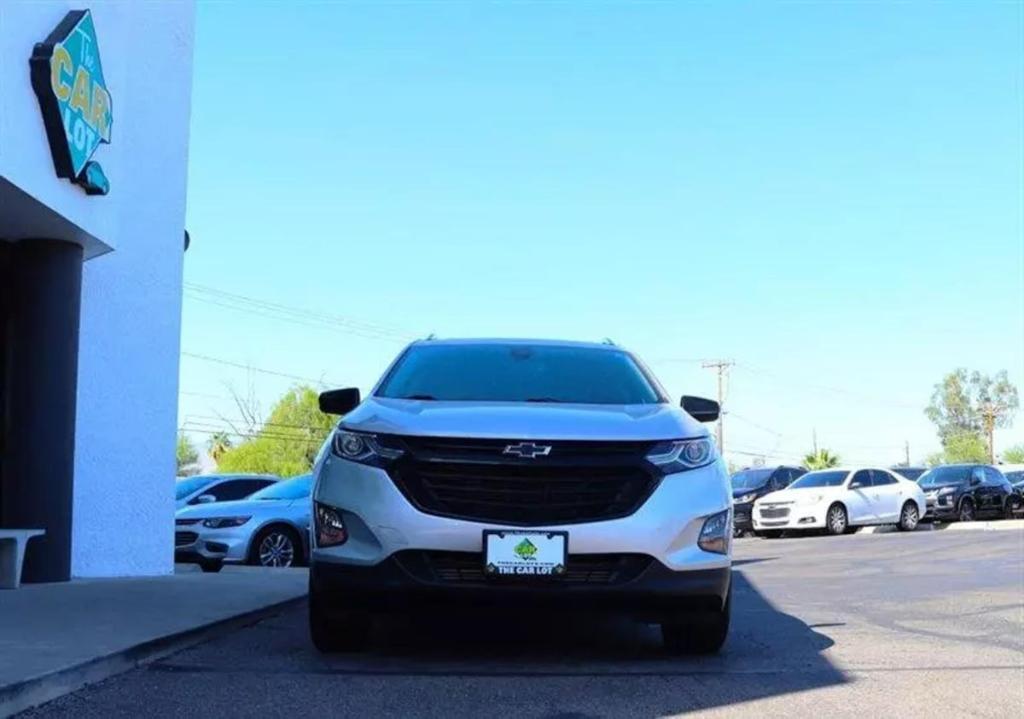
x=906, y=451
x=814, y=440
x=722, y=367
x=991, y=412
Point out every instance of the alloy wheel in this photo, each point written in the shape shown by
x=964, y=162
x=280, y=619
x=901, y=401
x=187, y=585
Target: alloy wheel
x=967, y=512
x=277, y=550
x=837, y=520
x=910, y=517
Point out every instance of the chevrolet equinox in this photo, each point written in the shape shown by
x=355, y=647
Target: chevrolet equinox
x=520, y=473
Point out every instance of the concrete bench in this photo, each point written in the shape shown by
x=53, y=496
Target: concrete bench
x=12, y=554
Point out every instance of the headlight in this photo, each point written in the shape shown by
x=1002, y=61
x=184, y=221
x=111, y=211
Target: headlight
x=681, y=455
x=812, y=499
x=330, y=529
x=947, y=490
x=716, y=532
x=745, y=498
x=224, y=522
x=364, y=448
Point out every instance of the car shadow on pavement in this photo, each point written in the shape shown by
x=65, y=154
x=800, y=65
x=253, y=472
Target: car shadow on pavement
x=768, y=652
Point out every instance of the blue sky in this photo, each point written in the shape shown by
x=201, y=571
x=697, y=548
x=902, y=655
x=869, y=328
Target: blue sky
x=829, y=194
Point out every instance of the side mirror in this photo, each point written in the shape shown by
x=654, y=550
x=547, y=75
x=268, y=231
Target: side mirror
x=205, y=499
x=339, y=401
x=975, y=481
x=702, y=410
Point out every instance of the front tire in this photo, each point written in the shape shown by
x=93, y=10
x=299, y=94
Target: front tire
x=836, y=520
x=276, y=546
x=966, y=513
x=340, y=631
x=697, y=634
x=910, y=517
x=211, y=566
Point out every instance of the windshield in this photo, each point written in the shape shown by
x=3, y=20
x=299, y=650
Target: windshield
x=824, y=478
x=750, y=478
x=911, y=473
x=185, y=487
x=497, y=372
x=945, y=475
x=294, y=488
x=1015, y=477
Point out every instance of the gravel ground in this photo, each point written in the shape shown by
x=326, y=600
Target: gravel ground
x=921, y=624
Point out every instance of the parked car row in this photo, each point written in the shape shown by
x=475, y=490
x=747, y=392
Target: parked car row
x=242, y=519
x=770, y=501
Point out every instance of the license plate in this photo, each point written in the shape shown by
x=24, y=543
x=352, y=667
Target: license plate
x=509, y=553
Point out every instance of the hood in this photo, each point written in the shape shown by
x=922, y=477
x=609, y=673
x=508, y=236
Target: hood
x=936, y=487
x=522, y=420
x=736, y=493
x=229, y=509
x=794, y=495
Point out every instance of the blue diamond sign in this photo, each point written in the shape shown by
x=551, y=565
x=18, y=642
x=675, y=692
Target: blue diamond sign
x=67, y=77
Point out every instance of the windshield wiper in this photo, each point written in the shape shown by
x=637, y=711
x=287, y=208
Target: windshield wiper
x=544, y=399
x=420, y=396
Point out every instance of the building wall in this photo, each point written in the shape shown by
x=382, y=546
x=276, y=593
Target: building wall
x=123, y=519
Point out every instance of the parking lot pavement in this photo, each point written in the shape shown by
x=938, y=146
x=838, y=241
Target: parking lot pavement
x=908, y=624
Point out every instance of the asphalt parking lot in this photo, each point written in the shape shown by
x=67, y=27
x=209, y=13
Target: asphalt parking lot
x=918, y=624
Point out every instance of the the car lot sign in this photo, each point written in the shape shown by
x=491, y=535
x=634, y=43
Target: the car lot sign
x=67, y=77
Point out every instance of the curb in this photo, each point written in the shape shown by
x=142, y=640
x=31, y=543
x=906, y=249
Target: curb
x=38, y=690
x=988, y=526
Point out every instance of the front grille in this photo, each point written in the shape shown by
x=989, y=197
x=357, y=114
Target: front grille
x=183, y=538
x=475, y=480
x=774, y=512
x=186, y=522
x=468, y=568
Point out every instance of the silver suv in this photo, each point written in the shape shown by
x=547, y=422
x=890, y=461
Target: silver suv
x=532, y=473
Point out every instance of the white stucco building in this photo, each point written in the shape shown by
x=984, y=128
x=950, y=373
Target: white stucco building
x=90, y=283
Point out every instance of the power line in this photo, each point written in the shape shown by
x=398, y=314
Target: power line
x=288, y=313
x=823, y=388
x=251, y=368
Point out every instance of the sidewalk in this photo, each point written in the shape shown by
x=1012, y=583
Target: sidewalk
x=55, y=638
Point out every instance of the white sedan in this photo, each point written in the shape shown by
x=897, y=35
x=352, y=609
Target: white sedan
x=837, y=499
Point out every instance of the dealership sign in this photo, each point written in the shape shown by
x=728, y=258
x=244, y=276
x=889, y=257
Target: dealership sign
x=67, y=76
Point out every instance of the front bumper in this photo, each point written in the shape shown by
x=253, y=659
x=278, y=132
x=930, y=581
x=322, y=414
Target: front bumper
x=936, y=509
x=403, y=583
x=799, y=517
x=742, y=516
x=380, y=521
x=194, y=543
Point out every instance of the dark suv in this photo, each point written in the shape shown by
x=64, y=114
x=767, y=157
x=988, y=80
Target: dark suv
x=966, y=492
x=751, y=484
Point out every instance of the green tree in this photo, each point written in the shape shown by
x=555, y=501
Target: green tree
x=288, y=440
x=821, y=459
x=185, y=453
x=1014, y=454
x=972, y=404
x=219, y=443
x=966, y=447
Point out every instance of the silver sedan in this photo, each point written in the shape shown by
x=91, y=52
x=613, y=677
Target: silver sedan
x=270, y=529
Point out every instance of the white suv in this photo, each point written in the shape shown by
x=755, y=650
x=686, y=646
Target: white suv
x=532, y=473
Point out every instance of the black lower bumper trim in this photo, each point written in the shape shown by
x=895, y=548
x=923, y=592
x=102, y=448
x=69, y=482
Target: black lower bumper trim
x=389, y=587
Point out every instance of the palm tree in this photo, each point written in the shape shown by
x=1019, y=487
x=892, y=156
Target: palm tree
x=821, y=459
x=219, y=443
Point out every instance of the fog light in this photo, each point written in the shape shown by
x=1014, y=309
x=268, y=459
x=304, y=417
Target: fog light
x=807, y=520
x=330, y=529
x=716, y=532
